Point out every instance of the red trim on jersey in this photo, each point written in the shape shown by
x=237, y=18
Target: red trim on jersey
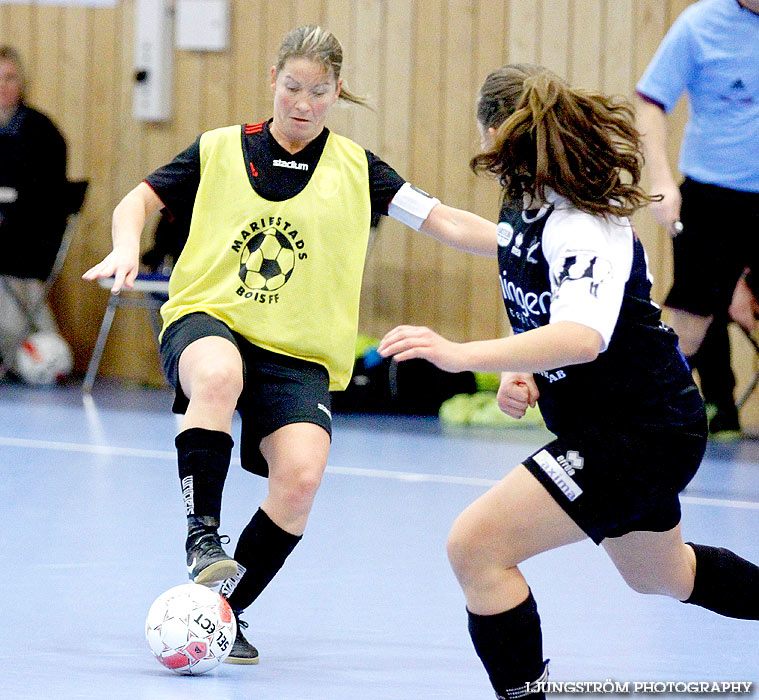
x=253, y=170
x=165, y=210
x=254, y=128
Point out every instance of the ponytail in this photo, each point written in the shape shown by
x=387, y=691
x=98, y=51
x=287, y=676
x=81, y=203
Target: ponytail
x=580, y=144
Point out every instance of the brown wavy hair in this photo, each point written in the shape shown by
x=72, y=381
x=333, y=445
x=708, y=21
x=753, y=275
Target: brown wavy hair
x=581, y=144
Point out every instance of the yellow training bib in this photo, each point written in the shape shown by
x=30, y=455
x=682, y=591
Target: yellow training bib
x=285, y=275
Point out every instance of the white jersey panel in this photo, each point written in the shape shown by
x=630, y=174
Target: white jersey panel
x=589, y=259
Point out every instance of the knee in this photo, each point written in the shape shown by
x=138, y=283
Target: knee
x=651, y=585
x=468, y=551
x=689, y=345
x=643, y=586
x=217, y=384
x=690, y=329
x=297, y=487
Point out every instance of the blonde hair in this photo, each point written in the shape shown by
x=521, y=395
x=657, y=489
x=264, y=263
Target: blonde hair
x=321, y=46
x=549, y=135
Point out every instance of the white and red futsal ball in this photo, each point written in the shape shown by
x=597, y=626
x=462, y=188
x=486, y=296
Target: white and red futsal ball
x=190, y=629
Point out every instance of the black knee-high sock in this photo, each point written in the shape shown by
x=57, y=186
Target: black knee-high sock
x=725, y=583
x=261, y=550
x=203, y=458
x=510, y=646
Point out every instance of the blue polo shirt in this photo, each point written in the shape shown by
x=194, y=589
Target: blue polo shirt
x=712, y=53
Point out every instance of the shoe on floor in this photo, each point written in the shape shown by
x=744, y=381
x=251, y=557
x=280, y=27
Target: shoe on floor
x=243, y=652
x=724, y=425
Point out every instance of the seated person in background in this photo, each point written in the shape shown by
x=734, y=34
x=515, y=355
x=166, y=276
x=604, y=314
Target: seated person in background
x=32, y=208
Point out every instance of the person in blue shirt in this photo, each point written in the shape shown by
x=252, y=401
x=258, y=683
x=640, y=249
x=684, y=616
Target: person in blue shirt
x=589, y=346
x=711, y=53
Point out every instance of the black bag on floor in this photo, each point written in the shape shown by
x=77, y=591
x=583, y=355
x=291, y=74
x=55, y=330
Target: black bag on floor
x=412, y=387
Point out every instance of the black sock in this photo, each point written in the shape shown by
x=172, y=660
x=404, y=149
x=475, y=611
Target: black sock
x=203, y=457
x=261, y=550
x=725, y=583
x=510, y=646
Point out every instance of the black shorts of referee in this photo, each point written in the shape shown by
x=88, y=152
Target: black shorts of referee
x=720, y=238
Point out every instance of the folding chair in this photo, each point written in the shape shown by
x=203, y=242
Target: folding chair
x=150, y=292
x=74, y=196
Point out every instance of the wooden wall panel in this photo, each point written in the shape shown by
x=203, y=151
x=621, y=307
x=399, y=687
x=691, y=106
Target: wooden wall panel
x=420, y=62
x=385, y=282
x=486, y=319
x=586, y=43
x=453, y=118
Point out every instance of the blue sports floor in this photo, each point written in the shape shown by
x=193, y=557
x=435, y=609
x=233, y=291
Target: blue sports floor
x=366, y=608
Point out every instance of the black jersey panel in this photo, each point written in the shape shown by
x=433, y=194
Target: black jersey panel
x=640, y=380
x=384, y=183
x=176, y=183
x=274, y=173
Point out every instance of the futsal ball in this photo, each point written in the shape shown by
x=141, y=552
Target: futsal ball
x=43, y=358
x=267, y=260
x=190, y=629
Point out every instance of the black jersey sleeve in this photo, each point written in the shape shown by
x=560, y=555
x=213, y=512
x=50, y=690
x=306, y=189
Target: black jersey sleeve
x=384, y=182
x=176, y=183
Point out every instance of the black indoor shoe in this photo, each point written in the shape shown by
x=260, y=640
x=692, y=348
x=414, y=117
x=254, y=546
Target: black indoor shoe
x=243, y=652
x=724, y=425
x=207, y=562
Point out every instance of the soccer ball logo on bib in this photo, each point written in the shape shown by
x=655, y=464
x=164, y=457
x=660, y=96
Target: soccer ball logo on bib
x=267, y=260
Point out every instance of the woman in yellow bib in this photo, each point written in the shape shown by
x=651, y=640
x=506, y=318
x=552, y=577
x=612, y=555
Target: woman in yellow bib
x=263, y=302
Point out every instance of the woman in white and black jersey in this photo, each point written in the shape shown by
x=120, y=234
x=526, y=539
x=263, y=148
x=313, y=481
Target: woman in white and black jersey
x=263, y=302
x=589, y=347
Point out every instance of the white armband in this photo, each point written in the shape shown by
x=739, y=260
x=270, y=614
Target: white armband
x=411, y=206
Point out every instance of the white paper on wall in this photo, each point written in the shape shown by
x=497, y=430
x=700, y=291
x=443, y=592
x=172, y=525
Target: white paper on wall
x=63, y=3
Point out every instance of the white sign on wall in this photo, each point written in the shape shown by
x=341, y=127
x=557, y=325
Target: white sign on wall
x=63, y=3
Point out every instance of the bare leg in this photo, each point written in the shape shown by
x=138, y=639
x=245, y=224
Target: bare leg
x=690, y=329
x=654, y=562
x=297, y=456
x=210, y=372
x=513, y=521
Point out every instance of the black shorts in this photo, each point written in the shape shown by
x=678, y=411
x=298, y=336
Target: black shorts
x=719, y=239
x=277, y=390
x=611, y=484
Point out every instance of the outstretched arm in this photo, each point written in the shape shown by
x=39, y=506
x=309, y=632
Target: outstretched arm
x=129, y=217
x=454, y=227
x=462, y=230
x=555, y=345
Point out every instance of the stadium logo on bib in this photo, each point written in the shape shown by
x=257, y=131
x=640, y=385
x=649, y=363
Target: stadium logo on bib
x=268, y=251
